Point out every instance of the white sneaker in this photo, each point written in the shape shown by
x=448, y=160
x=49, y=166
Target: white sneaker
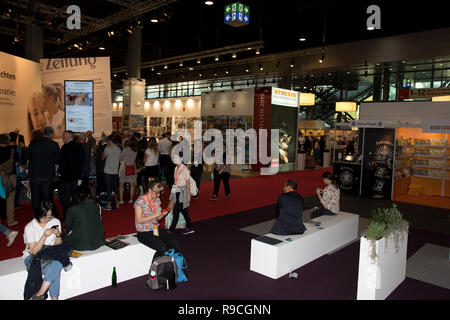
x=11, y=236
x=120, y=202
x=131, y=201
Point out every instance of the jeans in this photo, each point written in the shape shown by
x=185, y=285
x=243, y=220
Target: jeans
x=41, y=189
x=51, y=270
x=4, y=230
x=225, y=177
x=100, y=182
x=7, y=205
x=111, y=184
x=161, y=244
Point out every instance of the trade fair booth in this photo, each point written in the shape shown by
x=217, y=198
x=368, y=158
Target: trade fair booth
x=418, y=145
x=63, y=93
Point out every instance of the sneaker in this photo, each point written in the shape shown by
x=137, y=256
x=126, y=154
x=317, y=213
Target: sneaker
x=36, y=297
x=68, y=267
x=213, y=198
x=120, y=202
x=188, y=231
x=226, y=196
x=11, y=236
x=107, y=208
x=195, y=197
x=130, y=201
x=12, y=223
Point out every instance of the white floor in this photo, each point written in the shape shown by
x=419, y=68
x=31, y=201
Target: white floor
x=430, y=264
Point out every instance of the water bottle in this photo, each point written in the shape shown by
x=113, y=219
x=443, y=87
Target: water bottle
x=155, y=230
x=114, y=277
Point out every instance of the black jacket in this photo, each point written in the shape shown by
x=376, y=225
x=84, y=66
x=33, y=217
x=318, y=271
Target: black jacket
x=59, y=253
x=71, y=161
x=43, y=155
x=289, y=215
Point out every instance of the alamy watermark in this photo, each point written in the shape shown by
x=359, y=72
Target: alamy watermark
x=374, y=20
x=74, y=20
x=256, y=152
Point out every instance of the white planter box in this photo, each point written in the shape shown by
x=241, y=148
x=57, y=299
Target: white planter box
x=301, y=161
x=379, y=277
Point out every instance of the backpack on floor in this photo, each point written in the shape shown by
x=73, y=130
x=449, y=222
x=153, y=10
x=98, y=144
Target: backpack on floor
x=181, y=264
x=162, y=273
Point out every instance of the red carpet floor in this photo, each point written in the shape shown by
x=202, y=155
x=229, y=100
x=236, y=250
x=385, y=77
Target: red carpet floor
x=246, y=194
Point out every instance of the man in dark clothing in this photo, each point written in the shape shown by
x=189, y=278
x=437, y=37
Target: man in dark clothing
x=321, y=149
x=289, y=211
x=42, y=156
x=71, y=163
x=100, y=165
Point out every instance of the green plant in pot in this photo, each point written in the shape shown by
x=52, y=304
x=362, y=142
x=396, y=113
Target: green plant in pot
x=385, y=222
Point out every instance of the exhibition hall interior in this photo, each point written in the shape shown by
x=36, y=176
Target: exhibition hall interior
x=252, y=150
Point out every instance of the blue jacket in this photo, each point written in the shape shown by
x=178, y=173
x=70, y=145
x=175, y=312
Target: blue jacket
x=289, y=215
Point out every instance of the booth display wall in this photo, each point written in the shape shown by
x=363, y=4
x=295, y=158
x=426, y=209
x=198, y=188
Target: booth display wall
x=21, y=99
x=378, y=160
x=53, y=74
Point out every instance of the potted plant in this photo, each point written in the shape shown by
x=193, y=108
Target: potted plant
x=382, y=257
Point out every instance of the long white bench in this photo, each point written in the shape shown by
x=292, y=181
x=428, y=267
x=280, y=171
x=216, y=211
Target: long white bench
x=90, y=272
x=277, y=260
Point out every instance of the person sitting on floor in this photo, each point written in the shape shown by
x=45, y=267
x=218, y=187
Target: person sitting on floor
x=329, y=197
x=289, y=211
x=84, y=227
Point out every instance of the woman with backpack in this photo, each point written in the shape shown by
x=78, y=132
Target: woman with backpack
x=147, y=213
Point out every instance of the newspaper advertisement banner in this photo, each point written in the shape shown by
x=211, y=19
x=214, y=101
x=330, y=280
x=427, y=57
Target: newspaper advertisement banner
x=53, y=74
x=21, y=99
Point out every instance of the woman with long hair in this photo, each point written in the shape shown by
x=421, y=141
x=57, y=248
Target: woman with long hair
x=329, y=196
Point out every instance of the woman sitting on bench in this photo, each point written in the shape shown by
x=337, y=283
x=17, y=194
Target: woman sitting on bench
x=329, y=197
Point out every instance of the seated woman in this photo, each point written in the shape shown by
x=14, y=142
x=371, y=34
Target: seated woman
x=329, y=197
x=83, y=222
x=42, y=232
x=147, y=213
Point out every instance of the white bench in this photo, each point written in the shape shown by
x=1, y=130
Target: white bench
x=90, y=272
x=277, y=260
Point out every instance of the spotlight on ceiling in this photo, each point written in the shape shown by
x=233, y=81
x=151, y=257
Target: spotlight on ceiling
x=199, y=61
x=191, y=68
x=110, y=33
x=181, y=63
x=247, y=69
x=165, y=66
x=101, y=48
x=302, y=38
x=216, y=58
x=209, y=3
x=261, y=67
x=258, y=51
x=234, y=55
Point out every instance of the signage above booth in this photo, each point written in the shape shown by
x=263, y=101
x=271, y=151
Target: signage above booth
x=436, y=126
x=367, y=124
x=283, y=97
x=423, y=93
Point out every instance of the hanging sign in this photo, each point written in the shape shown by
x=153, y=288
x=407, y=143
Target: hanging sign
x=237, y=14
x=423, y=93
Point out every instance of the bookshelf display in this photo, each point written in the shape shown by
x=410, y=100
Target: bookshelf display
x=422, y=163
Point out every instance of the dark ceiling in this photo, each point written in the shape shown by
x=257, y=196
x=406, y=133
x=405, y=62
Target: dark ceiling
x=189, y=26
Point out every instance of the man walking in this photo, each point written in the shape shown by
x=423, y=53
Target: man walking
x=111, y=155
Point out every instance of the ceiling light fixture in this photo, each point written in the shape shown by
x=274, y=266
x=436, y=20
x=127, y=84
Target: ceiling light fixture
x=165, y=66
x=110, y=33
x=198, y=61
x=216, y=58
x=209, y=3
x=261, y=67
x=322, y=57
x=154, y=20
x=234, y=55
x=181, y=64
x=101, y=48
x=258, y=51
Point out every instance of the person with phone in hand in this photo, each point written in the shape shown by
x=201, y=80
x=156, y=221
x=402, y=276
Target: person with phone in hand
x=329, y=197
x=147, y=214
x=41, y=233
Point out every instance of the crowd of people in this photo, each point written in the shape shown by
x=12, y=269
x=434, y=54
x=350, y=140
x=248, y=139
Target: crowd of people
x=147, y=165
x=313, y=146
